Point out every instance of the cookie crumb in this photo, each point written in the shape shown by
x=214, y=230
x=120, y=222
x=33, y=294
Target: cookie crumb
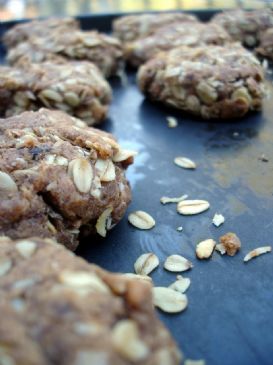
x=231, y=243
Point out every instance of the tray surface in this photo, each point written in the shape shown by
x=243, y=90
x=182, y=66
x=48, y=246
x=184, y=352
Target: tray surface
x=230, y=313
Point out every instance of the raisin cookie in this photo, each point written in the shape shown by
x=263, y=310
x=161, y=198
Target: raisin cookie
x=60, y=178
x=212, y=81
x=77, y=88
x=58, y=309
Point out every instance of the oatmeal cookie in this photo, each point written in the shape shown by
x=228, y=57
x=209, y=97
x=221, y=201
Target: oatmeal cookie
x=131, y=27
x=245, y=26
x=266, y=44
x=104, y=51
x=58, y=309
x=171, y=36
x=211, y=81
x=60, y=178
x=38, y=28
x=77, y=88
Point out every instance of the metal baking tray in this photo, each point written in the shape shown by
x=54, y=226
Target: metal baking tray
x=230, y=314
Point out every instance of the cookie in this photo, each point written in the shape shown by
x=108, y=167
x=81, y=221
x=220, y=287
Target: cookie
x=77, y=88
x=171, y=36
x=38, y=28
x=211, y=81
x=58, y=309
x=266, y=44
x=131, y=27
x=104, y=51
x=60, y=178
x=245, y=26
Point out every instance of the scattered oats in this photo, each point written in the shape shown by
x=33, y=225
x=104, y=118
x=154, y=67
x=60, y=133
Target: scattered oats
x=26, y=248
x=257, y=252
x=177, y=263
x=263, y=158
x=5, y=266
x=220, y=248
x=123, y=155
x=218, y=219
x=127, y=342
x=166, y=199
x=103, y=222
x=169, y=300
x=172, y=122
x=141, y=220
x=181, y=284
x=138, y=277
x=190, y=207
x=204, y=249
x=235, y=134
x=179, y=229
x=194, y=362
x=7, y=183
x=185, y=162
x=146, y=263
x=231, y=243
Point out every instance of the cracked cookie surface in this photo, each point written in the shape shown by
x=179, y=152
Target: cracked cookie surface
x=59, y=178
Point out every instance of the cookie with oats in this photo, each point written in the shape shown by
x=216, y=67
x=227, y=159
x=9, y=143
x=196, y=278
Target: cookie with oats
x=61, y=47
x=60, y=178
x=212, y=81
x=131, y=27
x=58, y=309
x=38, y=28
x=77, y=88
x=265, y=48
x=245, y=26
x=171, y=36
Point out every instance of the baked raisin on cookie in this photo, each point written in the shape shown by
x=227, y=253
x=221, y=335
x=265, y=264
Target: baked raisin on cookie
x=58, y=309
x=77, y=88
x=60, y=178
x=212, y=81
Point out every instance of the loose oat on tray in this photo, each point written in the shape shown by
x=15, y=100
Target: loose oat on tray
x=77, y=88
x=131, y=27
x=59, y=178
x=104, y=51
x=38, y=28
x=58, y=309
x=245, y=26
x=211, y=81
x=171, y=36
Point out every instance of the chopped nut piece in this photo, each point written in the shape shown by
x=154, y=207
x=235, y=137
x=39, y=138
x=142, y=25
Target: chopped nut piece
x=146, y=263
x=181, y=284
x=123, y=155
x=169, y=300
x=257, y=252
x=231, y=243
x=205, y=249
x=7, y=183
x=26, y=248
x=166, y=199
x=130, y=275
x=102, y=222
x=218, y=219
x=194, y=362
x=220, y=248
x=126, y=341
x=141, y=220
x=172, y=122
x=5, y=266
x=185, y=162
x=190, y=207
x=177, y=263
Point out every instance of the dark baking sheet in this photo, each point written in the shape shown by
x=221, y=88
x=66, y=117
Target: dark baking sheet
x=229, y=319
